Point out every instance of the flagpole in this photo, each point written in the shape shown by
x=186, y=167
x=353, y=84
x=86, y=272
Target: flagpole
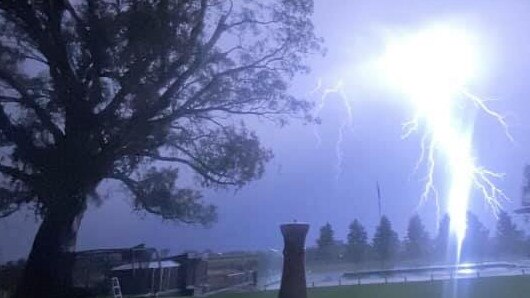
x=379, y=201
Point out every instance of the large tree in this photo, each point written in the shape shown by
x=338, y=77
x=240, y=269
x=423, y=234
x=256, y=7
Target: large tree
x=136, y=91
x=357, y=242
x=326, y=244
x=417, y=242
x=385, y=241
x=442, y=240
x=509, y=240
x=476, y=242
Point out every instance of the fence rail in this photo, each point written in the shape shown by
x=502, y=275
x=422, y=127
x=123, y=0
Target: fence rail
x=406, y=275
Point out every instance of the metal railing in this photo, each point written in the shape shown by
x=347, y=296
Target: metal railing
x=407, y=276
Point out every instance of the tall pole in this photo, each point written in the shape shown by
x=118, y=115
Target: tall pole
x=293, y=276
x=379, y=201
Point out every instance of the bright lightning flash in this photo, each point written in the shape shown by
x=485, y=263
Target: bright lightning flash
x=432, y=68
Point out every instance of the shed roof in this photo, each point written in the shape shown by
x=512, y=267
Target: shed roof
x=144, y=265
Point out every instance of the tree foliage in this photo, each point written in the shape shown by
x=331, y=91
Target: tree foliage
x=136, y=90
x=441, y=242
x=326, y=237
x=509, y=239
x=476, y=240
x=385, y=242
x=326, y=241
x=357, y=242
x=417, y=242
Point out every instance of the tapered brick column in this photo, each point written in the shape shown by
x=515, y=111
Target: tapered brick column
x=293, y=276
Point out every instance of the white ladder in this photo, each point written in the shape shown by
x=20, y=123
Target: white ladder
x=116, y=289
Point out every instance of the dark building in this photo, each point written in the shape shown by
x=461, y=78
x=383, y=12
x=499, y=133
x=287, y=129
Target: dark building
x=147, y=277
x=192, y=273
x=227, y=270
x=92, y=266
x=140, y=271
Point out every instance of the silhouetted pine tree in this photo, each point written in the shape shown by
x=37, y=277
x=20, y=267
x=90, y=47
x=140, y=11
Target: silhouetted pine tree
x=476, y=242
x=441, y=242
x=509, y=240
x=385, y=241
x=357, y=242
x=326, y=242
x=417, y=242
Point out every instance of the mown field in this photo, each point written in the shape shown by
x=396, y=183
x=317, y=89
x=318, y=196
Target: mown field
x=487, y=287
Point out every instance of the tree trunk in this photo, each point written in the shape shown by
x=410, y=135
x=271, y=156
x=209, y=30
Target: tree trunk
x=48, y=271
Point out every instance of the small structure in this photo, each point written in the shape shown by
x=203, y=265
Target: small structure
x=92, y=266
x=293, y=277
x=207, y=272
x=147, y=277
x=93, y=269
x=232, y=269
x=141, y=270
x=192, y=273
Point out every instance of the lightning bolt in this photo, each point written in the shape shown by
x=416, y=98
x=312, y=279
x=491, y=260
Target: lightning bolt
x=345, y=124
x=431, y=68
x=443, y=136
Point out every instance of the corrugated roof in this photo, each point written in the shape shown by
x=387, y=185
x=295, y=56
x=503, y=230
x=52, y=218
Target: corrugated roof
x=143, y=265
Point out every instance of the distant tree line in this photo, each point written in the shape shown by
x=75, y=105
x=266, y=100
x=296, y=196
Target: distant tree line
x=386, y=248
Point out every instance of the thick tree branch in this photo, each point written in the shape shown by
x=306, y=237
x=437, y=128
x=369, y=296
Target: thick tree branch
x=17, y=174
x=11, y=201
x=138, y=69
x=29, y=102
x=48, y=38
x=199, y=167
x=162, y=199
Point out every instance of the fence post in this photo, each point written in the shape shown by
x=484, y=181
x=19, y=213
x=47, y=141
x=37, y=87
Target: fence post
x=358, y=281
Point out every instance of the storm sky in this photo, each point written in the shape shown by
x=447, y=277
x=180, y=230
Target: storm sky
x=305, y=180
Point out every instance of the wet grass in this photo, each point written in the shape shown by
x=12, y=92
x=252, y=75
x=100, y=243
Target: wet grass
x=486, y=287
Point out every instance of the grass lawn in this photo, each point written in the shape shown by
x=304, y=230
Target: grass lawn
x=486, y=287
